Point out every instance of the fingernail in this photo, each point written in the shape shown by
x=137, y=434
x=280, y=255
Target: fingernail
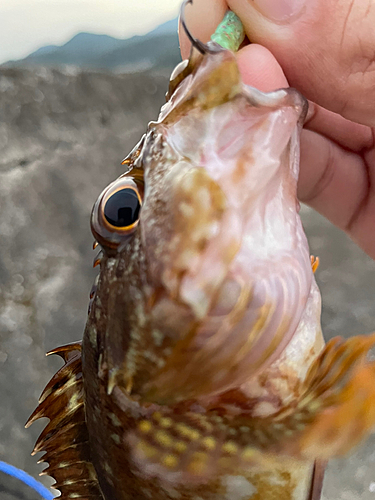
x=279, y=10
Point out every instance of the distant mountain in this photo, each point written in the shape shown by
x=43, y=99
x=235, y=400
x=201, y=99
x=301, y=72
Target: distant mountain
x=165, y=28
x=86, y=43
x=45, y=50
x=158, y=48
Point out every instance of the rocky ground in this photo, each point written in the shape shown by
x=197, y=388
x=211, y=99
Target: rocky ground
x=62, y=136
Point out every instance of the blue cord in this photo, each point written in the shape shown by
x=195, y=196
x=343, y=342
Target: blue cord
x=25, y=478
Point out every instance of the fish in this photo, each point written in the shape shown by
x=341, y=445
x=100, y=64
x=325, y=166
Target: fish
x=203, y=373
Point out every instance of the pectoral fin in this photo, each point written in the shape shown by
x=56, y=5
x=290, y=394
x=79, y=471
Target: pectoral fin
x=337, y=409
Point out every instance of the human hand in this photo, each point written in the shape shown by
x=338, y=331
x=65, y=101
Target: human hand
x=326, y=50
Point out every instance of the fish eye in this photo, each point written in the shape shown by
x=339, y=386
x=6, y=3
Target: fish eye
x=115, y=215
x=121, y=210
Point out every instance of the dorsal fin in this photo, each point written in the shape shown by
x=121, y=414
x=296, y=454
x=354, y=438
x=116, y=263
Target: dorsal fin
x=65, y=438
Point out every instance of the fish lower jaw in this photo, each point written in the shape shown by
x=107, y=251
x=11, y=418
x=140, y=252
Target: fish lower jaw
x=279, y=384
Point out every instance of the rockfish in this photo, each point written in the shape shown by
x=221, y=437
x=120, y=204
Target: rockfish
x=203, y=373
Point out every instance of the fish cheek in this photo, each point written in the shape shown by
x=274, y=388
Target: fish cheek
x=194, y=206
x=117, y=337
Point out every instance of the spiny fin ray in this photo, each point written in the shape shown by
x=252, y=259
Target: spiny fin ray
x=65, y=438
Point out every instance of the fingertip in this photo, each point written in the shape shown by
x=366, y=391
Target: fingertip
x=184, y=42
x=260, y=69
x=202, y=18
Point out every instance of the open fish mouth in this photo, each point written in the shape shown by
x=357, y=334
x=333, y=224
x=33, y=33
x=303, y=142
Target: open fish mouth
x=236, y=255
x=234, y=187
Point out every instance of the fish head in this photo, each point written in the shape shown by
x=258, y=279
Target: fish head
x=208, y=278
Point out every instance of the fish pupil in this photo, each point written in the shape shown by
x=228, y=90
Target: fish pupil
x=122, y=208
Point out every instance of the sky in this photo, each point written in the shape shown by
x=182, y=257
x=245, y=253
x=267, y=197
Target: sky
x=27, y=25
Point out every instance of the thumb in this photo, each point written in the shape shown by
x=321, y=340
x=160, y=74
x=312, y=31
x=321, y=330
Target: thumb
x=325, y=47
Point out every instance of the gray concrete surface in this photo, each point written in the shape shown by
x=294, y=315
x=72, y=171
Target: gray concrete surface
x=62, y=136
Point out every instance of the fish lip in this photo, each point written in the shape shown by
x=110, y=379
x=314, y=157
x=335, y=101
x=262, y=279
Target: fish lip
x=290, y=95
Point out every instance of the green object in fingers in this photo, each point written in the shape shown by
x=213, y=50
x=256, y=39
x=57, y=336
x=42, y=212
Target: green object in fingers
x=230, y=32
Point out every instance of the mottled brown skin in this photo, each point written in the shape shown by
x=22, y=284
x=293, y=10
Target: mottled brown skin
x=158, y=414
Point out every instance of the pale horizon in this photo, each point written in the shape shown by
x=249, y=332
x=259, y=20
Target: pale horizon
x=27, y=25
